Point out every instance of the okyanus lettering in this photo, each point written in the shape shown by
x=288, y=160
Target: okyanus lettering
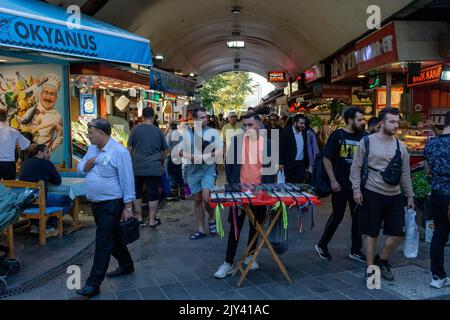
x=112, y=175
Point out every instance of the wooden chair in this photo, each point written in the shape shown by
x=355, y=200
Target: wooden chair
x=60, y=165
x=42, y=213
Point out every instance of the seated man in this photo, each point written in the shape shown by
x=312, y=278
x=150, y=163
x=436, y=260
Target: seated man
x=247, y=164
x=39, y=167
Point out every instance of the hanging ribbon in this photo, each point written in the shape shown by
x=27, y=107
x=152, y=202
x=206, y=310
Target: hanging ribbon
x=235, y=210
x=219, y=225
x=283, y=211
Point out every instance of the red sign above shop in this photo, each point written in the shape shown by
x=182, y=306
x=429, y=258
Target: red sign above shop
x=316, y=72
x=427, y=76
x=375, y=50
x=277, y=76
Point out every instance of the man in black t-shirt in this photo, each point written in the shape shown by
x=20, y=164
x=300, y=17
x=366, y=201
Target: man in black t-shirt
x=338, y=157
x=39, y=167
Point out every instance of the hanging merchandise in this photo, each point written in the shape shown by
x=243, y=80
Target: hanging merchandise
x=122, y=103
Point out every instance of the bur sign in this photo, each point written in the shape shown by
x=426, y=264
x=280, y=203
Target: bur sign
x=74, y=20
x=374, y=280
x=74, y=280
x=374, y=19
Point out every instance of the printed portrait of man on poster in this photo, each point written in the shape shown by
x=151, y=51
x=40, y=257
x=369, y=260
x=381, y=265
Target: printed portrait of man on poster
x=35, y=104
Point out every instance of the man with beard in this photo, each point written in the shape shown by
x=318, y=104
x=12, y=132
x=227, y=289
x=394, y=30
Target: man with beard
x=47, y=121
x=381, y=197
x=337, y=160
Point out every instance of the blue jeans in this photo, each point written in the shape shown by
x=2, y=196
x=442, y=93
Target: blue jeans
x=55, y=200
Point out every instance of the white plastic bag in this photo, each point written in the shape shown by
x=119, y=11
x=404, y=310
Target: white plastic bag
x=411, y=244
x=280, y=177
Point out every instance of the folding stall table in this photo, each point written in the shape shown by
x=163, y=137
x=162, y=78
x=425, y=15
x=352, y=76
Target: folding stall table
x=263, y=199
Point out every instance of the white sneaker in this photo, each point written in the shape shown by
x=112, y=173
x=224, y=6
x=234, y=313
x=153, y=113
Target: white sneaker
x=224, y=270
x=439, y=283
x=255, y=265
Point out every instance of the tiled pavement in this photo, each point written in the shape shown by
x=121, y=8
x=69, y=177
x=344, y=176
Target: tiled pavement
x=169, y=266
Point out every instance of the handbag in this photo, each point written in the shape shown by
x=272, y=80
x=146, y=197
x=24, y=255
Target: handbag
x=129, y=230
x=393, y=172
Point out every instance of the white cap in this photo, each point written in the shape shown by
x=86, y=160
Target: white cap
x=52, y=80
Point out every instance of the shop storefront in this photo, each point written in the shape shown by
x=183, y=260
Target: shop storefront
x=177, y=93
x=377, y=65
x=36, y=50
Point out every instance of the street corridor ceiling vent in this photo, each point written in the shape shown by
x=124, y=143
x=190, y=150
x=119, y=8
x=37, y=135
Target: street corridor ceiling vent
x=236, y=44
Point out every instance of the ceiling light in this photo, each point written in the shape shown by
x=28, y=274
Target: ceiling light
x=191, y=74
x=361, y=76
x=236, y=10
x=3, y=60
x=159, y=57
x=236, y=44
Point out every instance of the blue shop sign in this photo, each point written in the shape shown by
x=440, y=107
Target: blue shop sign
x=38, y=26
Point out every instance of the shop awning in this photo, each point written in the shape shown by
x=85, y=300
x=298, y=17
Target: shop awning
x=38, y=26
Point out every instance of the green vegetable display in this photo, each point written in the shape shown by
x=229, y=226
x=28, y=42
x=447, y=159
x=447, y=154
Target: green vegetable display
x=421, y=187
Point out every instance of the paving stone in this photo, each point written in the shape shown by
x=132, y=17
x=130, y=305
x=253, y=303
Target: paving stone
x=357, y=294
x=229, y=295
x=276, y=292
x=217, y=285
x=152, y=293
x=333, y=296
x=317, y=286
x=311, y=269
x=334, y=282
x=198, y=290
x=128, y=295
x=253, y=293
x=175, y=291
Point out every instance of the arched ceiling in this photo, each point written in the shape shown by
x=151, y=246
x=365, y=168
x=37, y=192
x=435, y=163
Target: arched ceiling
x=289, y=35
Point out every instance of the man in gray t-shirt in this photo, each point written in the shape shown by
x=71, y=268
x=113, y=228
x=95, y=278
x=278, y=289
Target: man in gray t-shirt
x=148, y=150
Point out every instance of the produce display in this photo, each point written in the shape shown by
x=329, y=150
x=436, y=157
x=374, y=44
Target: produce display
x=415, y=140
x=80, y=141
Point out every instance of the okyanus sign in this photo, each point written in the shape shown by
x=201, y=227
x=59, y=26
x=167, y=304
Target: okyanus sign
x=45, y=28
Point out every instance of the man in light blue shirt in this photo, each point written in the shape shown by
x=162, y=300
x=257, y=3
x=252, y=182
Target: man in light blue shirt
x=110, y=188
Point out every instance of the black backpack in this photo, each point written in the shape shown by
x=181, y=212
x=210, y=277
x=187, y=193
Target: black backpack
x=319, y=179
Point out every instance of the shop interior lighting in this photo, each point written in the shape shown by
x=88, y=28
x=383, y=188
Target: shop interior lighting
x=159, y=57
x=446, y=75
x=361, y=76
x=191, y=75
x=3, y=60
x=236, y=44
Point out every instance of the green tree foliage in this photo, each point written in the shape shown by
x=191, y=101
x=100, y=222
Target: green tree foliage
x=226, y=91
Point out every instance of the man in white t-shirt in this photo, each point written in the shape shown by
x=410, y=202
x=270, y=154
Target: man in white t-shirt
x=9, y=139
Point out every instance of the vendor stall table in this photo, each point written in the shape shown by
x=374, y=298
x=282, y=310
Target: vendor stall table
x=262, y=198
